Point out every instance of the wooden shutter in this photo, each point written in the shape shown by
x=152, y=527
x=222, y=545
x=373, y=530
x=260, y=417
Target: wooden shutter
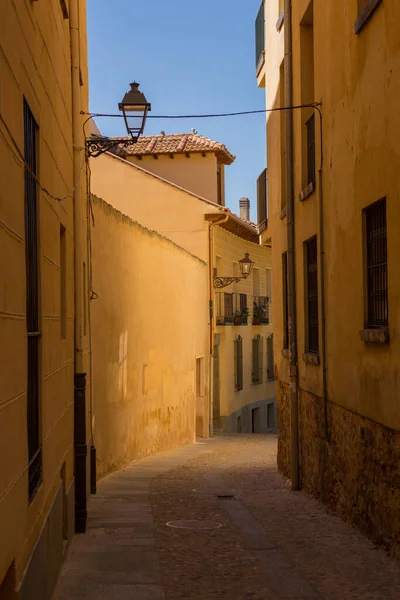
x=260, y=33
x=262, y=187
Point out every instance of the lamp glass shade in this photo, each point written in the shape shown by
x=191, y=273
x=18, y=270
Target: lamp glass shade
x=135, y=107
x=246, y=266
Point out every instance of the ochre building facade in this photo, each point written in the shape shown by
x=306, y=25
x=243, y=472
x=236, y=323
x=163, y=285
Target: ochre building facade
x=43, y=87
x=346, y=226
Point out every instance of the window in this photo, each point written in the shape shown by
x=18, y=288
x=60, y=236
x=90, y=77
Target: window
x=366, y=8
x=256, y=420
x=262, y=197
x=260, y=37
x=310, y=126
x=307, y=97
x=376, y=265
x=257, y=360
x=312, y=295
x=270, y=358
x=219, y=185
x=32, y=302
x=243, y=308
x=63, y=283
x=285, y=296
x=238, y=360
x=228, y=307
x=64, y=8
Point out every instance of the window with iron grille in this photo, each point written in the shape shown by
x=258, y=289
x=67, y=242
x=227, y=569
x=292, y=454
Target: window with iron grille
x=238, y=363
x=285, y=296
x=312, y=295
x=32, y=301
x=270, y=358
x=260, y=35
x=257, y=360
x=310, y=126
x=376, y=265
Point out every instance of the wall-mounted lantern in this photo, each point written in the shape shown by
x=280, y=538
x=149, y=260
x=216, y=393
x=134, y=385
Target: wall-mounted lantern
x=246, y=267
x=135, y=108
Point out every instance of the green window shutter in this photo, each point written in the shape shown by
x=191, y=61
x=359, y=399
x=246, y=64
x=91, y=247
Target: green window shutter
x=260, y=33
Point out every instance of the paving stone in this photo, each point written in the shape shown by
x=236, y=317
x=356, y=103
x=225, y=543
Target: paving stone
x=273, y=544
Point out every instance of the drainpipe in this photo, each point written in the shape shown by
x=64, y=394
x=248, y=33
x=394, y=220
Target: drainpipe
x=322, y=267
x=293, y=387
x=78, y=201
x=211, y=304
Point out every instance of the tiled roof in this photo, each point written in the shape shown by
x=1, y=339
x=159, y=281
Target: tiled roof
x=179, y=143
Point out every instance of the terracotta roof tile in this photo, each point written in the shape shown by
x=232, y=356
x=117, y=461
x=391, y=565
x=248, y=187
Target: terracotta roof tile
x=179, y=143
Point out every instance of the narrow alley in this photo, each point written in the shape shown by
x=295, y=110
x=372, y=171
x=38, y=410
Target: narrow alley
x=215, y=520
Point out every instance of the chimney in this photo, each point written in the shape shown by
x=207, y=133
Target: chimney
x=244, y=204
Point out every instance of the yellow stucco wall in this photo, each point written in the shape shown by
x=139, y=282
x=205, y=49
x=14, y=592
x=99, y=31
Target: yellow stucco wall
x=361, y=130
x=195, y=172
x=149, y=327
x=35, y=64
x=228, y=249
x=153, y=202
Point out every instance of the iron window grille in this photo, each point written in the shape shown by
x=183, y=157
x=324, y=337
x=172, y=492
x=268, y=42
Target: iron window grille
x=312, y=295
x=257, y=360
x=310, y=126
x=376, y=259
x=32, y=302
x=285, y=295
x=238, y=363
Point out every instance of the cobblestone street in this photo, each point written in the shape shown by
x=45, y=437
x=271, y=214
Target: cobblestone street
x=214, y=520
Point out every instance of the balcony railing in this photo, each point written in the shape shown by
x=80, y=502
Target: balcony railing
x=231, y=309
x=261, y=310
x=240, y=309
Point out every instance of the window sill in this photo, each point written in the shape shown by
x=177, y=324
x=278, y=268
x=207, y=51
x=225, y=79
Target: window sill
x=285, y=352
x=308, y=190
x=375, y=336
x=311, y=358
x=283, y=212
x=280, y=20
x=365, y=15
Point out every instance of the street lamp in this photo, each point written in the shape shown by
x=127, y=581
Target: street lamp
x=134, y=107
x=246, y=267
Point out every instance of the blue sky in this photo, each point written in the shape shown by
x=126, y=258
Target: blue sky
x=190, y=57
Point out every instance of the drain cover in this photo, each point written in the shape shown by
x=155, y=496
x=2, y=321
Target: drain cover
x=226, y=497
x=195, y=524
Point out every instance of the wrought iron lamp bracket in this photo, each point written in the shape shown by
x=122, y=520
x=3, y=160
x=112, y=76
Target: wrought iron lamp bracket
x=220, y=282
x=97, y=146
